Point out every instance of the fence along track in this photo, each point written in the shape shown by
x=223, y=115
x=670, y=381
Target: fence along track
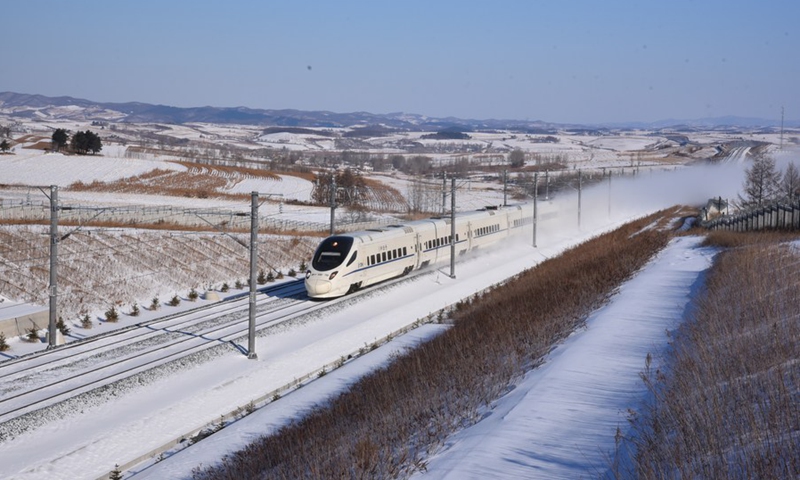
x=140, y=215
x=776, y=216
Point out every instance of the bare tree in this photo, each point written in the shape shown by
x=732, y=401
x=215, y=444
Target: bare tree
x=516, y=158
x=762, y=182
x=790, y=184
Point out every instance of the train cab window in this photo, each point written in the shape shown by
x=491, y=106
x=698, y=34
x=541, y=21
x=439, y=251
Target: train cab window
x=331, y=253
x=352, y=259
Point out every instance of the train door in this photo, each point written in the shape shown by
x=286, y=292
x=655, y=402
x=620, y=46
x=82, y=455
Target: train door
x=417, y=251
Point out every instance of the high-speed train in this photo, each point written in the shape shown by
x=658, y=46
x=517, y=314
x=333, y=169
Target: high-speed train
x=345, y=263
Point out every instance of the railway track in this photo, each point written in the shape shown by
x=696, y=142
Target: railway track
x=35, y=382
x=38, y=381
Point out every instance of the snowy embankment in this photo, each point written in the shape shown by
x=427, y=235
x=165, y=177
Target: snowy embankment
x=559, y=421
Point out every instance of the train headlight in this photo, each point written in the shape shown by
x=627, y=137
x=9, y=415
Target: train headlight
x=333, y=275
x=308, y=274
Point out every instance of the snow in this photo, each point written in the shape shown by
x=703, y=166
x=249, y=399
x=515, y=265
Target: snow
x=32, y=167
x=560, y=420
x=580, y=394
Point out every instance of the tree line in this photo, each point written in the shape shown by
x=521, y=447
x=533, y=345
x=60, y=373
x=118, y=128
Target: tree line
x=81, y=142
x=764, y=183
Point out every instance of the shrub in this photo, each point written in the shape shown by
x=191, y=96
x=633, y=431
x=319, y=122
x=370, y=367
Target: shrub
x=270, y=277
x=239, y=284
x=61, y=325
x=193, y=295
x=33, y=334
x=303, y=267
x=155, y=303
x=279, y=276
x=262, y=277
x=292, y=272
x=135, y=310
x=86, y=322
x=115, y=474
x=174, y=301
x=3, y=342
x=225, y=287
x=112, y=315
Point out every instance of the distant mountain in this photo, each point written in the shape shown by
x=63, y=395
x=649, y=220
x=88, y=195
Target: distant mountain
x=39, y=106
x=29, y=106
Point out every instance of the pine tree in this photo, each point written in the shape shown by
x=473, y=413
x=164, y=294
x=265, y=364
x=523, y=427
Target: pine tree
x=175, y=301
x=62, y=326
x=135, y=310
x=112, y=315
x=5, y=146
x=59, y=139
x=3, y=342
x=115, y=474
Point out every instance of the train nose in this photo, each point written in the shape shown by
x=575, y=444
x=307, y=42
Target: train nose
x=317, y=286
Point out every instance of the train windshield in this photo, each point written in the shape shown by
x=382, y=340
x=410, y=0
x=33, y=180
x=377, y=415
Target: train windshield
x=331, y=253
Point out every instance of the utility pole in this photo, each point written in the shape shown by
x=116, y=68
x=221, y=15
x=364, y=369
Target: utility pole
x=53, y=287
x=453, y=228
x=333, y=203
x=251, y=336
x=535, y=205
x=781, y=147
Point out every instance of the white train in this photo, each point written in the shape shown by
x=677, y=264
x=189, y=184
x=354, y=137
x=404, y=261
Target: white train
x=345, y=263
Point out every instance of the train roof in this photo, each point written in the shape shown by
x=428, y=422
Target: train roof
x=397, y=230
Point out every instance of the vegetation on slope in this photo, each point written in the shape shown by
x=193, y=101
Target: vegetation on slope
x=386, y=424
x=727, y=404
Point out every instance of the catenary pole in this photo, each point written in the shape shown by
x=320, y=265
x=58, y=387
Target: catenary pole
x=333, y=203
x=444, y=193
x=535, y=205
x=505, y=188
x=251, y=335
x=53, y=287
x=453, y=228
x=580, y=188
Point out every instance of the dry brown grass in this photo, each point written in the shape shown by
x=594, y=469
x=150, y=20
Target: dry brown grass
x=387, y=423
x=728, y=403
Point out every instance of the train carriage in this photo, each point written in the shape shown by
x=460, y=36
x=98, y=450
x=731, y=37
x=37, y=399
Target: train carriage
x=347, y=262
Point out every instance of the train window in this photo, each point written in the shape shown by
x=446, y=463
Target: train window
x=394, y=253
x=404, y=251
x=331, y=253
x=383, y=255
x=352, y=259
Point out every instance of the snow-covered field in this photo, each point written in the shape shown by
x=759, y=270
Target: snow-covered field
x=559, y=421
x=90, y=443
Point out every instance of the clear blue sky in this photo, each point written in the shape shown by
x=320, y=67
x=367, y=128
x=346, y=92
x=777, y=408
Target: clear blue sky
x=585, y=61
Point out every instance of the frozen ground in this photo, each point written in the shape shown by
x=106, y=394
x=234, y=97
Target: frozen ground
x=559, y=421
